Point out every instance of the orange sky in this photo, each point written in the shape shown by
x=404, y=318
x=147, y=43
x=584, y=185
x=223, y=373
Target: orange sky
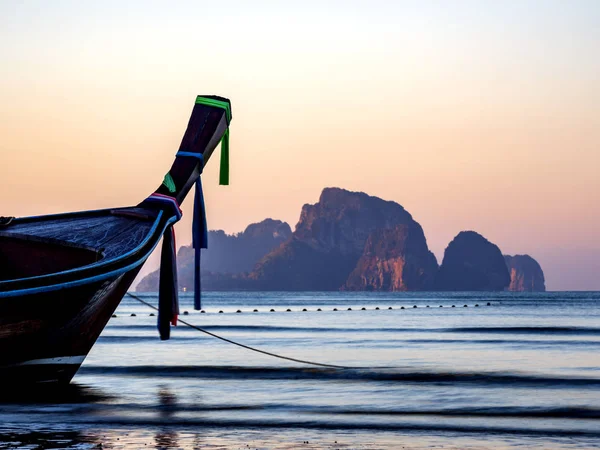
x=481, y=116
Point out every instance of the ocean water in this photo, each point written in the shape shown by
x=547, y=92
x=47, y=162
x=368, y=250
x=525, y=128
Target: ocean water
x=521, y=372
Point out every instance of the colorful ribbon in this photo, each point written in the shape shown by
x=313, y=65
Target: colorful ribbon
x=199, y=230
x=168, y=295
x=224, y=166
x=168, y=292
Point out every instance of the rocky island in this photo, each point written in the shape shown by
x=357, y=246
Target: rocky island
x=472, y=263
x=344, y=234
x=351, y=241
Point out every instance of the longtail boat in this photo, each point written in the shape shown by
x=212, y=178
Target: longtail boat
x=63, y=275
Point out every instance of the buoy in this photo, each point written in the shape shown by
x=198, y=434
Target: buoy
x=377, y=308
x=363, y=309
x=335, y=309
x=453, y=306
x=441, y=306
x=185, y=313
x=272, y=310
x=114, y=315
x=304, y=310
x=220, y=312
x=238, y=311
x=288, y=310
x=390, y=307
x=256, y=310
x=489, y=304
x=319, y=309
x=151, y=314
x=402, y=307
x=427, y=306
x=202, y=312
x=133, y=315
x=349, y=309
x=476, y=305
x=465, y=306
x=414, y=306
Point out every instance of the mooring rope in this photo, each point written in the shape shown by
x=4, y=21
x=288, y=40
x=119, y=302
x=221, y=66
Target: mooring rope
x=247, y=347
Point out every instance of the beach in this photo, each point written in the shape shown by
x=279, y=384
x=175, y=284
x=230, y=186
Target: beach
x=515, y=371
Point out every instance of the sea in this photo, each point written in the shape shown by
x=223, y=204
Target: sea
x=390, y=371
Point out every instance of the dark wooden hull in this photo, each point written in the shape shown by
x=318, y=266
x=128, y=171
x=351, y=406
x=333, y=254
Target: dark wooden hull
x=46, y=337
x=49, y=322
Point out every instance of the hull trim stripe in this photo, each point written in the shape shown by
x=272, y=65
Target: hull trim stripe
x=61, y=360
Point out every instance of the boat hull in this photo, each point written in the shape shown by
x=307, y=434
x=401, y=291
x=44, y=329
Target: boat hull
x=45, y=337
x=62, y=276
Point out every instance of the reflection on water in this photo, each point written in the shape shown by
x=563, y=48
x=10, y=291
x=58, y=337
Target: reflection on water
x=167, y=401
x=166, y=439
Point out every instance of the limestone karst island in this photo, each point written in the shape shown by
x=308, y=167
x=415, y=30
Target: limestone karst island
x=352, y=241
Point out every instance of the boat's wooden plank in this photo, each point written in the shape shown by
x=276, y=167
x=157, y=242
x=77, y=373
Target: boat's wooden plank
x=111, y=234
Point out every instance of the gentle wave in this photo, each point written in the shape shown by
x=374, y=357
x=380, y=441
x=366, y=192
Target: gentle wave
x=123, y=339
x=384, y=374
x=531, y=343
x=483, y=412
x=515, y=330
x=509, y=412
x=130, y=420
x=528, y=330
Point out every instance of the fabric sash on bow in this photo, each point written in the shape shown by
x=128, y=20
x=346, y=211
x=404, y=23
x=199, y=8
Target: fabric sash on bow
x=224, y=166
x=199, y=229
x=168, y=291
x=168, y=298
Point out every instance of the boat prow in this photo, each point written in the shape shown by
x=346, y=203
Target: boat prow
x=62, y=276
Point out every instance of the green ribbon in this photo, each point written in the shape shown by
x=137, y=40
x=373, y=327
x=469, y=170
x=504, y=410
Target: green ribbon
x=216, y=103
x=169, y=183
x=224, y=167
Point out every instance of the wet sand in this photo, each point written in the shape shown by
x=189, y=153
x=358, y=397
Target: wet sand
x=174, y=438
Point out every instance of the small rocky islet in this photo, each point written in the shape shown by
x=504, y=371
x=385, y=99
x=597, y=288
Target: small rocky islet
x=356, y=242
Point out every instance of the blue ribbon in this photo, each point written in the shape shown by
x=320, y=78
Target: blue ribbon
x=199, y=240
x=199, y=229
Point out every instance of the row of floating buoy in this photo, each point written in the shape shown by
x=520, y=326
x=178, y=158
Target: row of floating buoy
x=185, y=313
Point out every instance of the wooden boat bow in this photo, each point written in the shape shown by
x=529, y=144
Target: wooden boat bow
x=208, y=125
x=63, y=275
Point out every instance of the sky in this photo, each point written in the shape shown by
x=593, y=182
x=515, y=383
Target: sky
x=473, y=115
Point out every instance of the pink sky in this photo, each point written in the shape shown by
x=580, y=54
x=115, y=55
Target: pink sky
x=483, y=116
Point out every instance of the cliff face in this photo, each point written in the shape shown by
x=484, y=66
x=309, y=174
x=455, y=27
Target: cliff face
x=472, y=263
x=330, y=240
x=394, y=259
x=526, y=274
x=226, y=254
x=342, y=220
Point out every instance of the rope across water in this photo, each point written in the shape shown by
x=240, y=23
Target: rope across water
x=247, y=347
